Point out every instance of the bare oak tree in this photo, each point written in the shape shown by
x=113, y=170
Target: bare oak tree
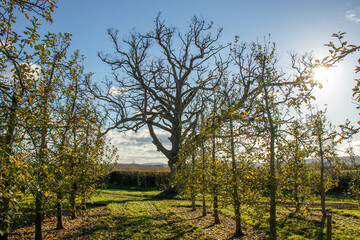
x=155, y=78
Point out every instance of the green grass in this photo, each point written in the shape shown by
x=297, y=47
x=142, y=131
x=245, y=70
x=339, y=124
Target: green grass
x=345, y=212
x=134, y=214
x=307, y=225
x=339, y=198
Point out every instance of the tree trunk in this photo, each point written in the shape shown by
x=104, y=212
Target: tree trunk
x=273, y=186
x=296, y=182
x=215, y=179
x=297, y=200
x=59, y=224
x=38, y=216
x=171, y=188
x=193, y=190
x=203, y=205
x=272, y=178
x=83, y=202
x=216, y=208
x=203, y=164
x=42, y=178
x=296, y=192
x=215, y=189
x=41, y=163
x=322, y=182
x=72, y=201
x=238, y=230
x=193, y=200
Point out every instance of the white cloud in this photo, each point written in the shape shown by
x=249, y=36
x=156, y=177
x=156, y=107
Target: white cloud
x=342, y=150
x=353, y=15
x=115, y=91
x=138, y=147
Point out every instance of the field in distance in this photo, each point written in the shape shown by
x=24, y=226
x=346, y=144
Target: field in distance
x=156, y=167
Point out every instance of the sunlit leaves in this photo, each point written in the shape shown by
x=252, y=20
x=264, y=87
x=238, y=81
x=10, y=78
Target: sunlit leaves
x=34, y=71
x=338, y=52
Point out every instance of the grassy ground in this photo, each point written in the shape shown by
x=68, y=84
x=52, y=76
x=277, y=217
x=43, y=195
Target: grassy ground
x=146, y=214
x=121, y=214
x=132, y=214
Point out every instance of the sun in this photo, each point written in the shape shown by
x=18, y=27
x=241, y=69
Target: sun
x=327, y=76
x=321, y=74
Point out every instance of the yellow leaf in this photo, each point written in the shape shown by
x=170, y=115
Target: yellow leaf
x=26, y=16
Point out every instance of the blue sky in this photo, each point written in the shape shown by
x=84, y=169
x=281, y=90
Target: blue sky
x=296, y=26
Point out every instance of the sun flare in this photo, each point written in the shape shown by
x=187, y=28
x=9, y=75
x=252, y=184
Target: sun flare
x=325, y=75
x=321, y=74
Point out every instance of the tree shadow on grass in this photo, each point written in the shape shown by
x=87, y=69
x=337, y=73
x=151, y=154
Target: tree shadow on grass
x=79, y=228
x=321, y=226
x=291, y=226
x=158, y=223
x=161, y=226
x=156, y=226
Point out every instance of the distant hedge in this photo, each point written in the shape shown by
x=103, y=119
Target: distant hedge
x=139, y=179
x=160, y=180
x=344, y=181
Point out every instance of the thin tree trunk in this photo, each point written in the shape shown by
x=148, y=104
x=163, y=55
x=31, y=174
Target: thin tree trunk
x=83, y=202
x=42, y=160
x=38, y=216
x=215, y=179
x=59, y=224
x=72, y=201
x=216, y=208
x=193, y=190
x=273, y=186
x=296, y=191
x=203, y=205
x=296, y=187
x=272, y=178
x=193, y=201
x=42, y=178
x=238, y=229
x=203, y=163
x=297, y=199
x=322, y=170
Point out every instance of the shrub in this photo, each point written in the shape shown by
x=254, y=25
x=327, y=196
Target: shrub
x=139, y=179
x=345, y=177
